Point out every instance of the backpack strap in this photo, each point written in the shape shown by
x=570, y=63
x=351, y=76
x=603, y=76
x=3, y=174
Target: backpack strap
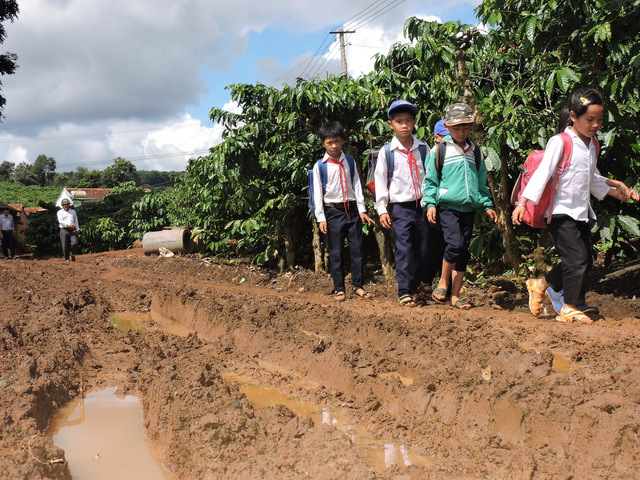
x=441, y=151
x=388, y=155
x=422, y=149
x=563, y=164
x=352, y=166
x=322, y=168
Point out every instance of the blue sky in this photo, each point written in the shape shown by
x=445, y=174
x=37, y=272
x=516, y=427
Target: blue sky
x=109, y=78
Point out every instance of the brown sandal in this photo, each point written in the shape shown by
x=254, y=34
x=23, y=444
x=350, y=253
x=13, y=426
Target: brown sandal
x=568, y=315
x=535, y=304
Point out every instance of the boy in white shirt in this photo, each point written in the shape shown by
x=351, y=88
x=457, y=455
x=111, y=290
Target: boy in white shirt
x=339, y=208
x=398, y=194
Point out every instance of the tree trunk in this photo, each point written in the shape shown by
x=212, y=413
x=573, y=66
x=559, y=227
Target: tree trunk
x=386, y=251
x=502, y=201
x=318, y=254
x=289, y=244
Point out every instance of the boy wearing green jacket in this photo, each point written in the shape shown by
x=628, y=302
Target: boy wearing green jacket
x=451, y=194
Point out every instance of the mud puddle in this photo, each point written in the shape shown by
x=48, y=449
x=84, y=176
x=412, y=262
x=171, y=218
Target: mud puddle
x=379, y=454
x=136, y=321
x=103, y=438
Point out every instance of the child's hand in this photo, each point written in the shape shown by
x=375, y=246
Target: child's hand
x=431, y=214
x=323, y=227
x=517, y=214
x=385, y=220
x=493, y=216
x=366, y=219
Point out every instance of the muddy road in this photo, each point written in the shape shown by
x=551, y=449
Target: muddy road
x=375, y=390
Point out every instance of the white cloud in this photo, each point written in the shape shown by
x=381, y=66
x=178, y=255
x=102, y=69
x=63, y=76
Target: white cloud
x=105, y=78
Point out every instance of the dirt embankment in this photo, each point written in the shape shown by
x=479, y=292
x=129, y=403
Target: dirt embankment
x=487, y=393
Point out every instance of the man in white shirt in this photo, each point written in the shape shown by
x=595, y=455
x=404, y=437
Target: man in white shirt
x=69, y=227
x=7, y=228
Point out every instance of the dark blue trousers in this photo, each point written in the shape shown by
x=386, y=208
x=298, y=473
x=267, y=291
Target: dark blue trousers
x=572, y=240
x=8, y=243
x=457, y=228
x=409, y=228
x=435, y=252
x=341, y=227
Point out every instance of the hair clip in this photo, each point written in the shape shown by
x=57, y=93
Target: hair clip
x=585, y=101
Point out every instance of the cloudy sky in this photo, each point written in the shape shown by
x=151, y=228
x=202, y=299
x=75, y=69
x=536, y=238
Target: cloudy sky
x=98, y=79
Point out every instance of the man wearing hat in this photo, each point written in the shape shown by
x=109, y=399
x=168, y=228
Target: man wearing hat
x=69, y=226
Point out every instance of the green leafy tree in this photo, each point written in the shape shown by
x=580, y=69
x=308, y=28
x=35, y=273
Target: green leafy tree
x=150, y=213
x=8, y=61
x=105, y=224
x=44, y=170
x=25, y=174
x=43, y=231
x=121, y=171
x=6, y=171
x=90, y=179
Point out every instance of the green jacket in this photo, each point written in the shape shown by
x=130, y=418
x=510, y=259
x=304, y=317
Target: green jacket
x=461, y=187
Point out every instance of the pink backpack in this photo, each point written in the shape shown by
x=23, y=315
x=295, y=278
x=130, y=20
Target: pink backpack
x=534, y=214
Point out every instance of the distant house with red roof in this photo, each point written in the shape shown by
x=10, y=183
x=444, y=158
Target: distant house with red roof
x=81, y=196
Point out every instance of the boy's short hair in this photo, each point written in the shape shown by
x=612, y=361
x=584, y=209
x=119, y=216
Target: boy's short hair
x=457, y=114
x=401, y=106
x=331, y=130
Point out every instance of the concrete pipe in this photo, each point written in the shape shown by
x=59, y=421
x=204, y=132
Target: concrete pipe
x=178, y=240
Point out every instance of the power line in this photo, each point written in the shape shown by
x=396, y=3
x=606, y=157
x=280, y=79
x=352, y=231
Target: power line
x=378, y=13
x=142, y=158
x=325, y=60
x=311, y=64
x=315, y=55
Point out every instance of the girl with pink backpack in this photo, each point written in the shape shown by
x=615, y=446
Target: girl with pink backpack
x=571, y=209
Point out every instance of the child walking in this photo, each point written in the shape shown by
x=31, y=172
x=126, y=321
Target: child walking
x=339, y=208
x=452, y=193
x=571, y=209
x=398, y=197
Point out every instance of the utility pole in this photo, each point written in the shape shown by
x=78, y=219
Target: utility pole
x=343, y=54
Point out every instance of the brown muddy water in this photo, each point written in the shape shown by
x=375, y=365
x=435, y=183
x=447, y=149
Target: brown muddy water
x=103, y=438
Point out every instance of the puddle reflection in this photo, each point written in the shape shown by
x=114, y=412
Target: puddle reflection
x=379, y=454
x=103, y=439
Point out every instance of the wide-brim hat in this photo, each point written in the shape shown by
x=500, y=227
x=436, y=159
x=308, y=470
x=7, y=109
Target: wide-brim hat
x=458, y=113
x=65, y=201
x=398, y=104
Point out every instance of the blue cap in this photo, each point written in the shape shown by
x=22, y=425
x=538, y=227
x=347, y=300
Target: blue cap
x=440, y=128
x=402, y=104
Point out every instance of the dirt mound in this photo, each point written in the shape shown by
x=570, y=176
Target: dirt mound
x=398, y=393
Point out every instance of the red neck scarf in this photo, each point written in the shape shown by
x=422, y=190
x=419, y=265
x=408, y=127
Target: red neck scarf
x=344, y=185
